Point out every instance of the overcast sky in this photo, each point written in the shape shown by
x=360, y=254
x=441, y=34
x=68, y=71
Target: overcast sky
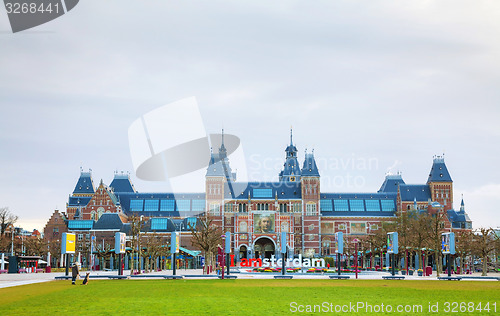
x=371, y=85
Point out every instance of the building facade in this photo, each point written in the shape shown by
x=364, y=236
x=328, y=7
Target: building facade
x=257, y=212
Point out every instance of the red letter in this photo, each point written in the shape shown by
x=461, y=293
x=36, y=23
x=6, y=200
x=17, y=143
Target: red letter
x=232, y=260
x=244, y=262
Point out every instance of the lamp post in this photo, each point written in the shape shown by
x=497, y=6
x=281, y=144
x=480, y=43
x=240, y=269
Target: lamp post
x=356, y=255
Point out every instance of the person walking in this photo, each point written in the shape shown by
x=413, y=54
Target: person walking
x=75, y=272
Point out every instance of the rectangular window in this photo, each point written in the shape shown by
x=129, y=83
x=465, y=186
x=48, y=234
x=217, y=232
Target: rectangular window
x=372, y=205
x=341, y=205
x=228, y=207
x=357, y=205
x=183, y=205
x=310, y=209
x=297, y=207
x=167, y=205
x=388, y=205
x=159, y=223
x=242, y=208
x=262, y=193
x=282, y=207
x=215, y=209
x=198, y=205
x=80, y=237
x=151, y=205
x=326, y=205
x=136, y=205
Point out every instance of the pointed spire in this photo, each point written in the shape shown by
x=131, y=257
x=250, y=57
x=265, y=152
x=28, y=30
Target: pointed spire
x=291, y=136
x=462, y=205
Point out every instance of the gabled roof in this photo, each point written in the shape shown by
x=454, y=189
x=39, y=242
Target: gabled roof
x=412, y=192
x=108, y=221
x=310, y=169
x=439, y=172
x=85, y=185
x=391, y=183
x=122, y=183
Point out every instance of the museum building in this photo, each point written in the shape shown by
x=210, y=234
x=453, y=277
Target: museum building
x=257, y=212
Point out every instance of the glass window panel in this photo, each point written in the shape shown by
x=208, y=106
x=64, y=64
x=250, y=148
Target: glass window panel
x=151, y=205
x=357, y=205
x=341, y=205
x=326, y=205
x=183, y=205
x=198, y=205
x=167, y=205
x=262, y=193
x=372, y=205
x=388, y=205
x=136, y=205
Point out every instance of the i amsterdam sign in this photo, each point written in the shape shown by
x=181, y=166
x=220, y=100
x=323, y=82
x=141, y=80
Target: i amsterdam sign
x=273, y=262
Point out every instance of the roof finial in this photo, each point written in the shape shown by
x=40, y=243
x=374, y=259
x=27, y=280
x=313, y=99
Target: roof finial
x=223, y=136
x=291, y=134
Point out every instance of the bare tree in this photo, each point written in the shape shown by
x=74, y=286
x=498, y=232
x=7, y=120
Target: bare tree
x=206, y=236
x=484, y=245
x=6, y=219
x=436, y=226
x=136, y=226
x=464, y=246
x=35, y=247
x=104, y=251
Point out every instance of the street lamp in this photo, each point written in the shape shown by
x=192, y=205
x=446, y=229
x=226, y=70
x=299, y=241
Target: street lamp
x=356, y=255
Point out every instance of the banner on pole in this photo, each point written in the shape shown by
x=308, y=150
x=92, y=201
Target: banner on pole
x=339, y=242
x=120, y=242
x=392, y=243
x=283, y=242
x=68, y=244
x=228, y=242
x=448, y=243
x=174, y=242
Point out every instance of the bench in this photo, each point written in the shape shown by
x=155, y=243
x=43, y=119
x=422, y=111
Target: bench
x=393, y=277
x=339, y=277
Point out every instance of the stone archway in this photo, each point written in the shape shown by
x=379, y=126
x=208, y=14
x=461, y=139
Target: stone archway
x=264, y=247
x=243, y=252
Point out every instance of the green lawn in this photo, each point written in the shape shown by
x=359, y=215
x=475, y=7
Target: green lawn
x=237, y=297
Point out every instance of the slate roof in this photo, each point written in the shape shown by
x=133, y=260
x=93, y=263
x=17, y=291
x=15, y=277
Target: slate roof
x=268, y=190
x=85, y=185
x=310, y=169
x=358, y=204
x=109, y=221
x=410, y=192
x=439, y=172
x=176, y=209
x=122, y=183
x=391, y=183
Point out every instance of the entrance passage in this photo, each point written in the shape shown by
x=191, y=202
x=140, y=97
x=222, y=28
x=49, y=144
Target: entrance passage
x=243, y=252
x=264, y=248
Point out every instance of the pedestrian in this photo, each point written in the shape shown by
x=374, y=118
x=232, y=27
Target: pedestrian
x=75, y=272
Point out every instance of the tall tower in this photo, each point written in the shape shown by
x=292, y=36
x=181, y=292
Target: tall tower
x=310, y=184
x=291, y=168
x=440, y=183
x=218, y=174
